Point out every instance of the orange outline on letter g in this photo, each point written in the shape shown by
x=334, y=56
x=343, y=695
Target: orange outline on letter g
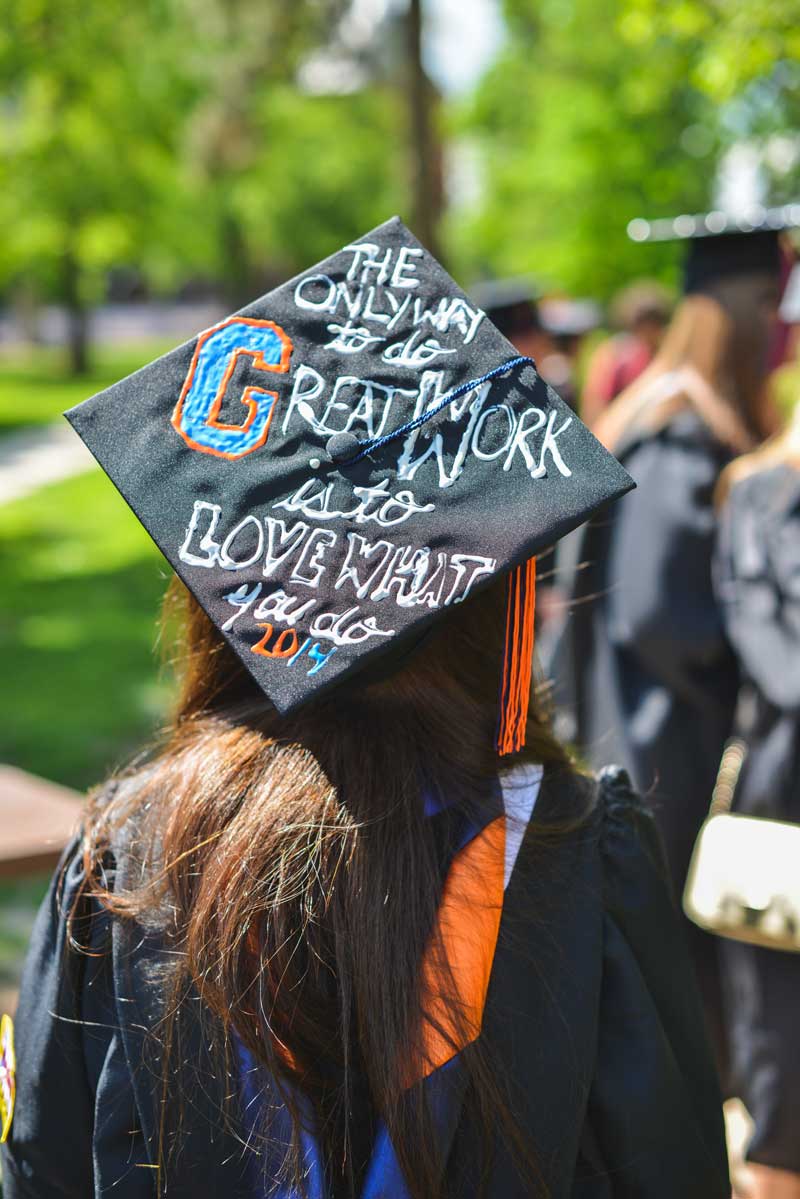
x=211, y=420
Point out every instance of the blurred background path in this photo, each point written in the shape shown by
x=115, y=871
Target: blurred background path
x=31, y=459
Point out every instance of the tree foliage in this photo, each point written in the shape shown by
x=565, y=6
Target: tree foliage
x=602, y=110
x=577, y=135
x=87, y=140
x=730, y=45
x=746, y=58
x=169, y=136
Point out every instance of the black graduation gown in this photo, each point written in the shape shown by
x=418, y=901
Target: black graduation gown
x=604, y=1055
x=643, y=673
x=757, y=576
x=758, y=585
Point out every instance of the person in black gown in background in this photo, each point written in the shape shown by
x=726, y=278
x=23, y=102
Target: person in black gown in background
x=643, y=672
x=757, y=576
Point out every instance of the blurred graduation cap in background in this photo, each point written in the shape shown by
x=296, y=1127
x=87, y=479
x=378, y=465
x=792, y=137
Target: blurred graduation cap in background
x=720, y=244
x=567, y=318
x=332, y=468
x=510, y=304
x=514, y=308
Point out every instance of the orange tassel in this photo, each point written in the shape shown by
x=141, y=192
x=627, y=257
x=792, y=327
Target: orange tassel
x=517, y=658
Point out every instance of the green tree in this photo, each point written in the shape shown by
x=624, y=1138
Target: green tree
x=746, y=58
x=730, y=45
x=425, y=151
x=284, y=176
x=87, y=146
x=236, y=52
x=578, y=134
x=169, y=136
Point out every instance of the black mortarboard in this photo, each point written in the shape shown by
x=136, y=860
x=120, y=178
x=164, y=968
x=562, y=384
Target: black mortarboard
x=564, y=317
x=720, y=245
x=339, y=463
x=510, y=304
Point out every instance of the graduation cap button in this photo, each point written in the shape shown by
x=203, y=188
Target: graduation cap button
x=342, y=446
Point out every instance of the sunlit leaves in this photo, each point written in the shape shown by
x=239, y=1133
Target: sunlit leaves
x=732, y=42
x=580, y=130
x=167, y=136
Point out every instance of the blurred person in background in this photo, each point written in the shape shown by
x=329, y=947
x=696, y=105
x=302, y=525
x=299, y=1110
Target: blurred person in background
x=568, y=322
x=550, y=330
x=643, y=670
x=641, y=312
x=784, y=382
x=512, y=307
x=757, y=580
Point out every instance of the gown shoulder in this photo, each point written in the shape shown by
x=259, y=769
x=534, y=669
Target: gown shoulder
x=654, y=1114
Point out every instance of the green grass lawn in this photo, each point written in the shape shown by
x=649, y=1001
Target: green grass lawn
x=81, y=585
x=78, y=624
x=34, y=388
x=19, y=901
x=79, y=598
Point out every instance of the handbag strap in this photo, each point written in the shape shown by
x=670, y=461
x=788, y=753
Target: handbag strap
x=731, y=762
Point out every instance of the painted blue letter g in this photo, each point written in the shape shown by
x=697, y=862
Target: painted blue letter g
x=196, y=415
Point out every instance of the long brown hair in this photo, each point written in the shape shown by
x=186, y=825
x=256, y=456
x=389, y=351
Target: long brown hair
x=781, y=450
x=696, y=368
x=301, y=877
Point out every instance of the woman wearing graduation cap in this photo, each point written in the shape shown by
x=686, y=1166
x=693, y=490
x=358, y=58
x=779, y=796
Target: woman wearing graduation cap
x=757, y=582
x=358, y=928
x=645, y=675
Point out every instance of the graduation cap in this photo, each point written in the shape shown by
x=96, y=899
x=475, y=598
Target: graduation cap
x=337, y=465
x=564, y=317
x=510, y=304
x=721, y=244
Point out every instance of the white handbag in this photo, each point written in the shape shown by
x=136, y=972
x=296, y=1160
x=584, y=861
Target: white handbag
x=744, y=877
